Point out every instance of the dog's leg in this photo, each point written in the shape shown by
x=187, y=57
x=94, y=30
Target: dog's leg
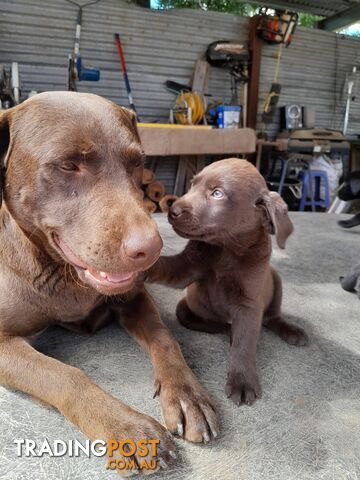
x=351, y=281
x=95, y=412
x=177, y=271
x=350, y=222
x=188, y=319
x=273, y=321
x=186, y=407
x=242, y=384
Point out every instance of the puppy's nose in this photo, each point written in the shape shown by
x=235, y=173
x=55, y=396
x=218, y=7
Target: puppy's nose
x=142, y=250
x=175, y=211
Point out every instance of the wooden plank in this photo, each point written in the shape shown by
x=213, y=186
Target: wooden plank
x=255, y=46
x=180, y=177
x=193, y=141
x=188, y=166
x=200, y=76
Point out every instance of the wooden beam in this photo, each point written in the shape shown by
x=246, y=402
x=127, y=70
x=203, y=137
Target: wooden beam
x=255, y=45
x=340, y=20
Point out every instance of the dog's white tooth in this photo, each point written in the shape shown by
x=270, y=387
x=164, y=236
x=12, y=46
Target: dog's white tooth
x=103, y=274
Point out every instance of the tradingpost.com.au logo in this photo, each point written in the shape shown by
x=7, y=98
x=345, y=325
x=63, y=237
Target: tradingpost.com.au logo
x=98, y=448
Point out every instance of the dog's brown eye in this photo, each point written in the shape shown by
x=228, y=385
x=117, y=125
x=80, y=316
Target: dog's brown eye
x=69, y=167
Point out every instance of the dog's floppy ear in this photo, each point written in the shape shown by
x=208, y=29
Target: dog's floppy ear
x=275, y=216
x=130, y=117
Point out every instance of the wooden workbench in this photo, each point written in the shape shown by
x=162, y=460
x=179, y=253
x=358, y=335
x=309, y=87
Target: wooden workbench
x=191, y=144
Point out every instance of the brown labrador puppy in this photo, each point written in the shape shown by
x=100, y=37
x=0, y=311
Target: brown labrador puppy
x=73, y=232
x=228, y=215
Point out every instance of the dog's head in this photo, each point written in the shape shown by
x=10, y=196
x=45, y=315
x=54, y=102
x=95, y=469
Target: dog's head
x=73, y=174
x=229, y=201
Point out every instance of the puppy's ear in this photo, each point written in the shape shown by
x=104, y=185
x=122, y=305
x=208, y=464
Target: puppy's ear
x=275, y=216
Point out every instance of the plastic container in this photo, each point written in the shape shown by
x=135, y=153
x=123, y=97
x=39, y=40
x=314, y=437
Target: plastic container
x=228, y=116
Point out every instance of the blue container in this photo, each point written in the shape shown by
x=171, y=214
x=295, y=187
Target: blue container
x=87, y=74
x=228, y=116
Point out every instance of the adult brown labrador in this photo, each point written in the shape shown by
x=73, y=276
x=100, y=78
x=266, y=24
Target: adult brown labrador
x=74, y=231
x=228, y=215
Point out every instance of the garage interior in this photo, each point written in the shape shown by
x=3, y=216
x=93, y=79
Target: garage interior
x=306, y=425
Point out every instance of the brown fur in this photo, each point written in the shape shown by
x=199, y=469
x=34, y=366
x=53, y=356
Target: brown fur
x=226, y=265
x=73, y=174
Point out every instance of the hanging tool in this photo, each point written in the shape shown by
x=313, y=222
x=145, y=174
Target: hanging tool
x=272, y=98
x=126, y=78
x=233, y=57
x=278, y=27
x=9, y=86
x=76, y=70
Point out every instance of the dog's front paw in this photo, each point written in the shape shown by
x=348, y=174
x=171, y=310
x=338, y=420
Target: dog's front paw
x=137, y=443
x=242, y=389
x=186, y=407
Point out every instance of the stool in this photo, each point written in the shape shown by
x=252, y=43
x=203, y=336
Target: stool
x=283, y=171
x=307, y=177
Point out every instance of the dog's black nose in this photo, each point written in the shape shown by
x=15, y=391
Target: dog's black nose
x=175, y=211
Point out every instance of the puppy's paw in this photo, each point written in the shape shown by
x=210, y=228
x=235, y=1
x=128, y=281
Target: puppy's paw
x=187, y=408
x=294, y=335
x=242, y=389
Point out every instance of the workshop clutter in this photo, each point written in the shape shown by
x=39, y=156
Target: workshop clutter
x=9, y=86
x=277, y=26
x=334, y=171
x=189, y=109
x=76, y=69
x=194, y=105
x=155, y=197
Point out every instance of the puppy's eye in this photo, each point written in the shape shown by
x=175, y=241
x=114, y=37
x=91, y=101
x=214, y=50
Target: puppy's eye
x=69, y=167
x=217, y=193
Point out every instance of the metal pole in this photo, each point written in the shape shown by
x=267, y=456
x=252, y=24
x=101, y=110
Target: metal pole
x=126, y=79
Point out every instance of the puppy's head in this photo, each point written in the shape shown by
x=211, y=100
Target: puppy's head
x=73, y=173
x=227, y=201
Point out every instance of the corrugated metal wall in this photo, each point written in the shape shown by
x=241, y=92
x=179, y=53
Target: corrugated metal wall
x=158, y=45
x=314, y=72
x=161, y=45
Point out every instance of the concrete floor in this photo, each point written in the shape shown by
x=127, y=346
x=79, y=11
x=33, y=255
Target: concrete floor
x=307, y=424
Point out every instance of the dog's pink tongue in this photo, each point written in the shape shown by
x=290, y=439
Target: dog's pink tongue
x=118, y=277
